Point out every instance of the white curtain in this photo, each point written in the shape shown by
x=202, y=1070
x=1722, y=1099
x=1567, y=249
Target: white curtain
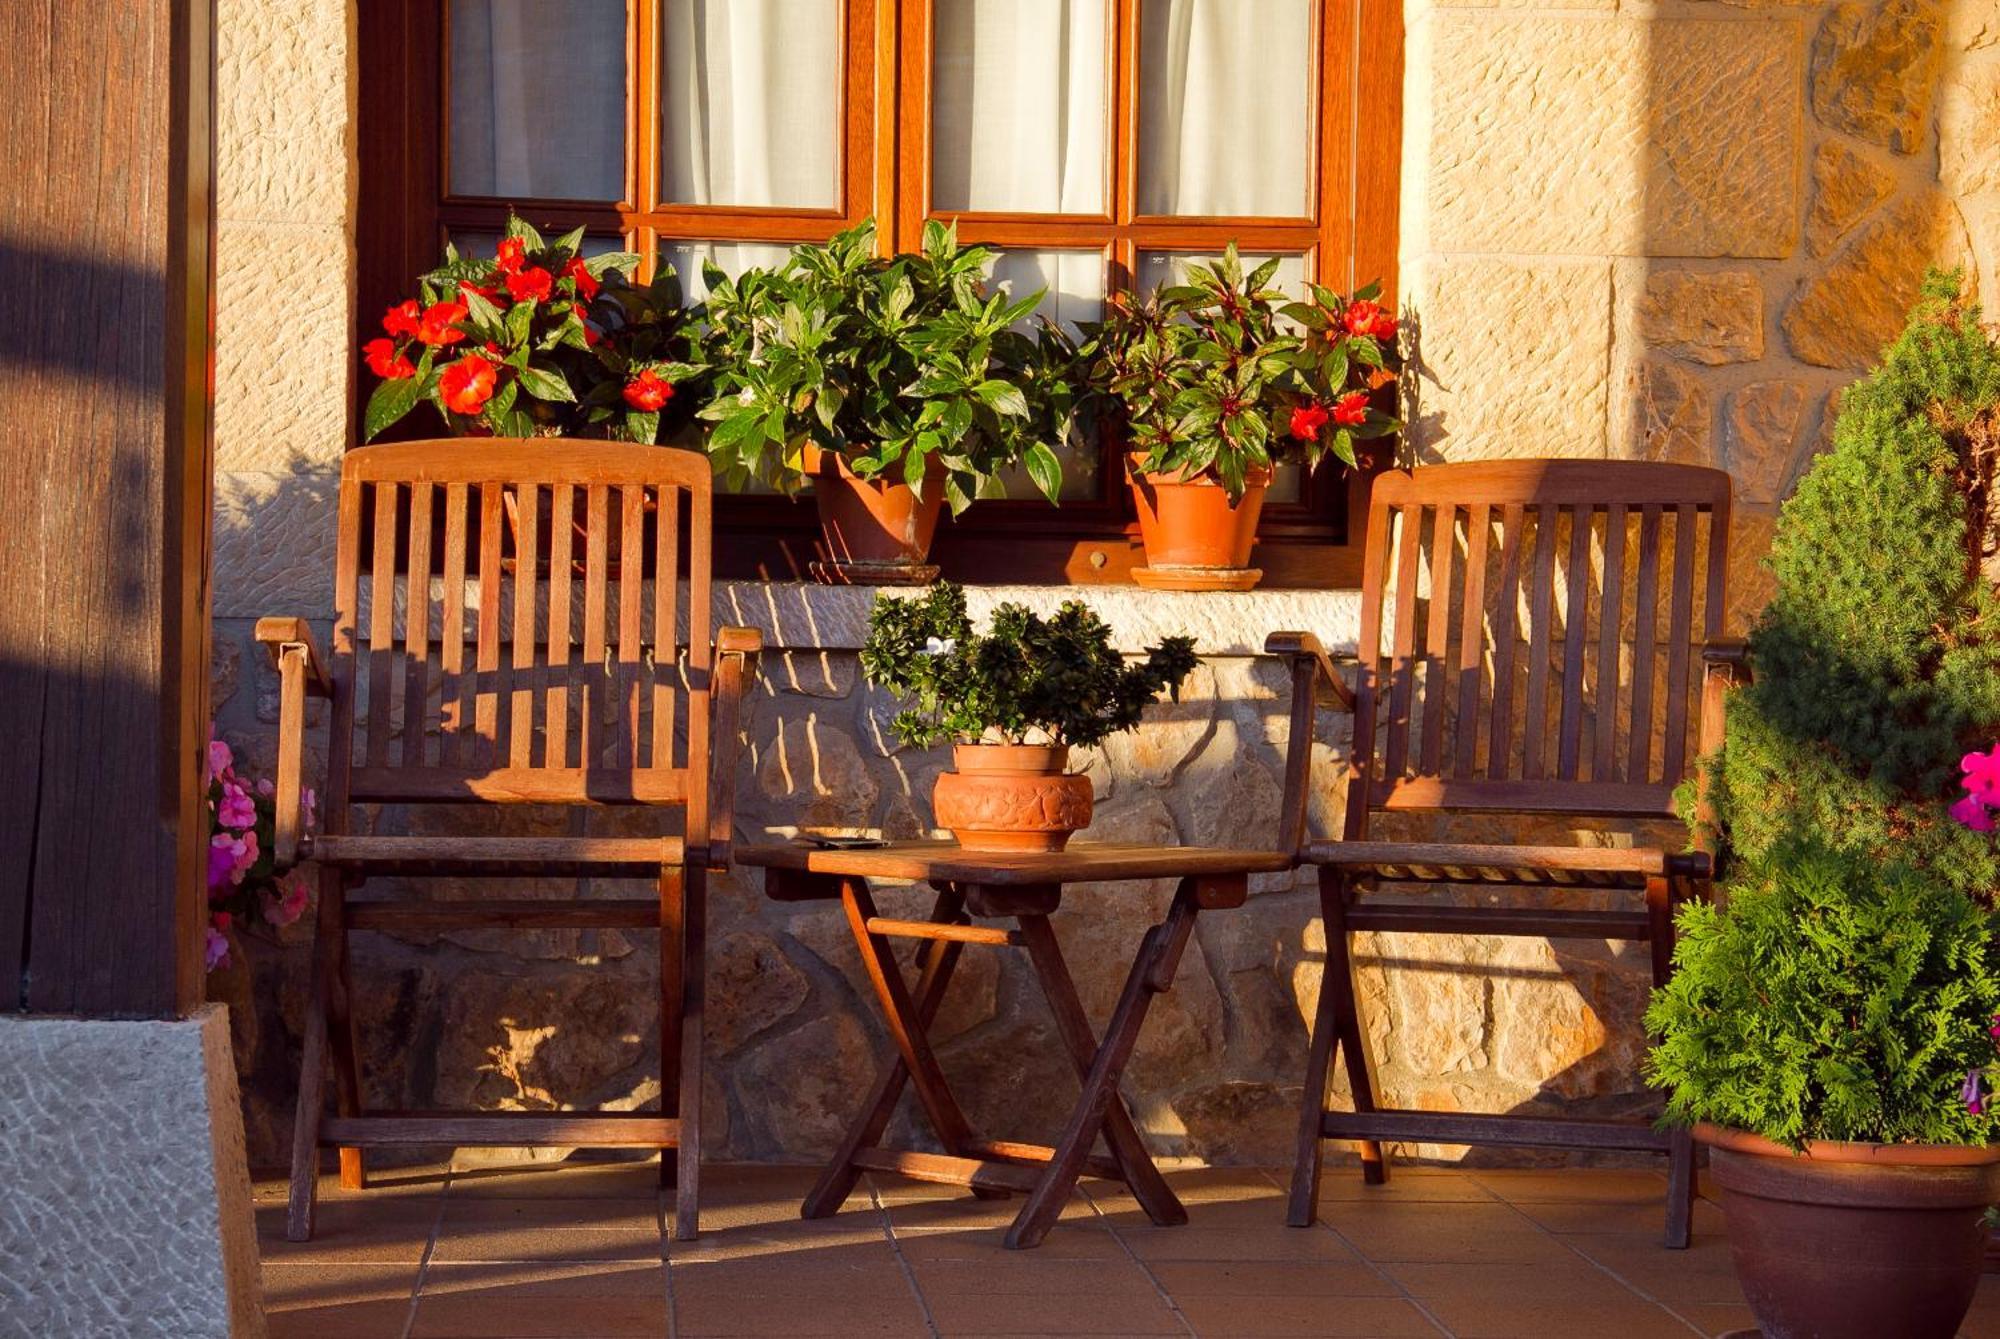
x=750, y=102
x=538, y=98
x=732, y=258
x=1019, y=120
x=1170, y=267
x=1225, y=107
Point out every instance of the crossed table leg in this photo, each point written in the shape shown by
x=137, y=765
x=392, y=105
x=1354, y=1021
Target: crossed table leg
x=994, y=1167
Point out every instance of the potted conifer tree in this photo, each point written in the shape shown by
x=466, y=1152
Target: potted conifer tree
x=1830, y=1028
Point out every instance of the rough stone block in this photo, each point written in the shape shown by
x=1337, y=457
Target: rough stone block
x=127, y=1209
x=1846, y=185
x=1874, y=69
x=1672, y=414
x=1505, y=371
x=1760, y=431
x=1621, y=136
x=1969, y=129
x=284, y=369
x=274, y=537
x=1843, y=316
x=1705, y=318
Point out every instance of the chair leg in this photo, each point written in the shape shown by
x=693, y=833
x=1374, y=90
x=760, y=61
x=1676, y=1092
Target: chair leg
x=694, y=987
x=672, y=976
x=311, y=1100
x=1309, y=1157
x=1662, y=899
x=340, y=1020
x=1351, y=1036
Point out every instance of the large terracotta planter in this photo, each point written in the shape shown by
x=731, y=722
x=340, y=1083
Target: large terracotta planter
x=1195, y=538
x=1011, y=797
x=876, y=533
x=1854, y=1241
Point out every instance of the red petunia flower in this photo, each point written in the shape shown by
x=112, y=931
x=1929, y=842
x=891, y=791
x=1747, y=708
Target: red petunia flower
x=531, y=284
x=512, y=255
x=647, y=392
x=586, y=286
x=440, y=323
x=468, y=384
x=1368, y=318
x=1351, y=409
x=590, y=336
x=402, y=318
x=385, y=362
x=1307, y=420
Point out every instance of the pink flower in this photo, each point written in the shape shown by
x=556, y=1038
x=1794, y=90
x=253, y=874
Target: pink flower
x=216, y=951
x=220, y=759
x=308, y=807
x=1982, y=775
x=237, y=809
x=1972, y=813
x=289, y=905
x=1970, y=1092
x=221, y=860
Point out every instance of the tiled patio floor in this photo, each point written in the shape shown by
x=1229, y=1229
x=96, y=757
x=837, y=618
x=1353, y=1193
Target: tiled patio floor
x=579, y=1252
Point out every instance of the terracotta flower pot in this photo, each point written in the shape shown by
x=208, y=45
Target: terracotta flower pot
x=1195, y=538
x=1011, y=797
x=1854, y=1241
x=876, y=533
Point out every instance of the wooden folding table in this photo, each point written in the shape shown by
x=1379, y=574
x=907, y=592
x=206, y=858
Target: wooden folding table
x=1024, y=889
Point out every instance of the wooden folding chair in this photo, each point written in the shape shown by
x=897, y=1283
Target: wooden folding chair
x=590, y=682
x=1534, y=640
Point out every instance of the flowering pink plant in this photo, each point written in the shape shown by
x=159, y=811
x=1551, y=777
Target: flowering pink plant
x=1982, y=790
x=242, y=883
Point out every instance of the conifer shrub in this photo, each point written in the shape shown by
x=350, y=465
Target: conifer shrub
x=1877, y=662
x=1835, y=998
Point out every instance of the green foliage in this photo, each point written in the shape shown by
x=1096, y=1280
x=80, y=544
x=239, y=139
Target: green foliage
x=894, y=363
x=1058, y=679
x=1223, y=374
x=1877, y=664
x=1836, y=997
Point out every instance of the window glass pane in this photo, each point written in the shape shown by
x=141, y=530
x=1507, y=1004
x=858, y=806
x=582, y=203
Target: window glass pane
x=1225, y=107
x=750, y=102
x=533, y=116
x=1018, y=121
x=1165, y=267
x=482, y=245
x=1074, y=281
x=687, y=257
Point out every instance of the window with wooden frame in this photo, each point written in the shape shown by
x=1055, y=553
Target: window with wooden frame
x=1097, y=143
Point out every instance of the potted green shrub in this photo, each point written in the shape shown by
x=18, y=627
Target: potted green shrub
x=1012, y=701
x=1828, y=1030
x=1216, y=380
x=896, y=384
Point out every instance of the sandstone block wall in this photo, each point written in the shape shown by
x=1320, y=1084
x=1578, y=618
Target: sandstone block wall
x=1664, y=230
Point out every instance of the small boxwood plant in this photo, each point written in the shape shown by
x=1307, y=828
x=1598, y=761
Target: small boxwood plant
x=1025, y=680
x=1835, y=997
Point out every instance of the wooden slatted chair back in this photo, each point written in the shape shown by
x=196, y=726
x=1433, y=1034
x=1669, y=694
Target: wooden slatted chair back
x=521, y=621
x=1531, y=636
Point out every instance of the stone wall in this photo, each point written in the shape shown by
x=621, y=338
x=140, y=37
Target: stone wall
x=1668, y=230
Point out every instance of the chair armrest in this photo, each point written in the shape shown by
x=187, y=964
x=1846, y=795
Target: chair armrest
x=278, y=633
x=736, y=652
x=1303, y=649
x=301, y=674
x=1728, y=656
x=1315, y=684
x=1725, y=664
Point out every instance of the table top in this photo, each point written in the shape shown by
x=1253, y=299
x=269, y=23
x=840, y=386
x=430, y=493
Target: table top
x=1081, y=862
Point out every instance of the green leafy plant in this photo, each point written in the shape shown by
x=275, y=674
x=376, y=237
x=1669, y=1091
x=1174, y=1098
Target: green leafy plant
x=908, y=367
x=538, y=340
x=1026, y=680
x=1225, y=375
x=1835, y=997
x=1877, y=661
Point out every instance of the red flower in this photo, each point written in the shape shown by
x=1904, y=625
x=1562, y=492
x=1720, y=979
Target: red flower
x=513, y=254
x=385, y=362
x=647, y=392
x=590, y=336
x=402, y=318
x=1307, y=420
x=532, y=284
x=1351, y=409
x=440, y=323
x=586, y=287
x=1368, y=318
x=486, y=291
x=468, y=384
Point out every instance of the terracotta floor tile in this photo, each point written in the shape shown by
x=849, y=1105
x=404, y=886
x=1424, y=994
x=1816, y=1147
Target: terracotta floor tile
x=1632, y=1318
x=966, y=1213
x=989, y=1244
x=1051, y=1313
x=1716, y=1318
x=1443, y=1232
x=476, y=1316
x=349, y=1320
x=1633, y=1217
x=1229, y=1317
x=1024, y=1272
x=1572, y=1185
x=1702, y=1273
x=1406, y=1185
x=747, y=1315
x=1571, y=1279
x=388, y=1231
x=1269, y=1242
x=290, y=1285
x=610, y=1278
x=1270, y=1278
x=782, y=1212
x=602, y=1213
x=848, y=1270
x=560, y=1180
x=482, y=1243
x=796, y=1240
